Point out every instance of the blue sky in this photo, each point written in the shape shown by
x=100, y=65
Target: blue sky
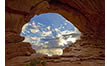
x=53, y=20
x=47, y=30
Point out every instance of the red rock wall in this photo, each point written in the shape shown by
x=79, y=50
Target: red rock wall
x=87, y=15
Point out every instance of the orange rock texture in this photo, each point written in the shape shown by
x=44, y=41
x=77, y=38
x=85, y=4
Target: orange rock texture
x=87, y=15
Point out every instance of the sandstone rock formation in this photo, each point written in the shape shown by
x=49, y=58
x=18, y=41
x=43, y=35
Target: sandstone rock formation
x=86, y=15
x=14, y=47
x=12, y=37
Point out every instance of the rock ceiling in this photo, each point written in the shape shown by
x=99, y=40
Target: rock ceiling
x=86, y=15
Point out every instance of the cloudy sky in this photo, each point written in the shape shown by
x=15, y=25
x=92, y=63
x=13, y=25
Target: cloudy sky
x=49, y=30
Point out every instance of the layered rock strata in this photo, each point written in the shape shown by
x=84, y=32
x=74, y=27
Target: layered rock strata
x=86, y=15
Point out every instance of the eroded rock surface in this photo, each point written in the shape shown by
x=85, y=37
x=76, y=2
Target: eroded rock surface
x=87, y=16
x=82, y=53
x=12, y=37
x=15, y=47
x=18, y=49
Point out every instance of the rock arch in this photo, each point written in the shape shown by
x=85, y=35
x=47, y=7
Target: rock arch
x=86, y=15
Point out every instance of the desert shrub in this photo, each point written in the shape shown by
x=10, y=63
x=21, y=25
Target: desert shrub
x=34, y=63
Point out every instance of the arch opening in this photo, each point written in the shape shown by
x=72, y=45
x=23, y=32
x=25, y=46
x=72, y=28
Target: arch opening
x=50, y=33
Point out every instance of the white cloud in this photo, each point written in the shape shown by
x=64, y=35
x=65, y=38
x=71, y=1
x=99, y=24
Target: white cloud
x=56, y=29
x=26, y=39
x=34, y=30
x=46, y=42
x=38, y=23
x=24, y=27
x=35, y=38
x=62, y=42
x=50, y=52
x=33, y=23
x=58, y=35
x=71, y=39
x=28, y=31
x=49, y=27
x=34, y=26
x=44, y=46
x=66, y=32
x=46, y=33
x=76, y=30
